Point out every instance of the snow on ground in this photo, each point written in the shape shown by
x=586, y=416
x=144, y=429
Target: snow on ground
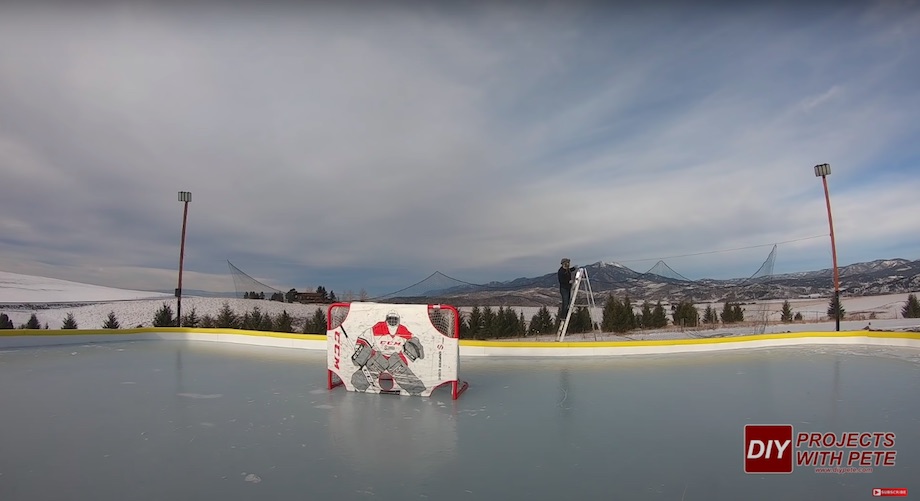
x=51, y=300
x=16, y=288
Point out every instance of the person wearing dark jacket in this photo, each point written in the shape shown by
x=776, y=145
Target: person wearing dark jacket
x=565, y=285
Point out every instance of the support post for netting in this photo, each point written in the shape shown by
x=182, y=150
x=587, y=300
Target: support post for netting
x=184, y=196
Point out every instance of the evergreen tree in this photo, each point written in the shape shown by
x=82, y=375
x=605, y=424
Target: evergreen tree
x=252, y=320
x=911, y=307
x=277, y=296
x=267, y=324
x=645, y=318
x=5, y=322
x=728, y=315
x=798, y=316
x=316, y=324
x=284, y=323
x=33, y=323
x=580, y=320
x=833, y=306
x=629, y=316
x=737, y=313
x=786, y=315
x=659, y=317
x=709, y=316
x=190, y=319
x=111, y=322
x=322, y=290
x=69, y=322
x=290, y=295
x=542, y=322
x=488, y=322
x=164, y=317
x=475, y=323
x=207, y=322
x=227, y=318
x=332, y=298
x=686, y=315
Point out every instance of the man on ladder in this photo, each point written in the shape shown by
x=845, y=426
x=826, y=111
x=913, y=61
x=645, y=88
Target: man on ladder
x=565, y=285
x=568, y=288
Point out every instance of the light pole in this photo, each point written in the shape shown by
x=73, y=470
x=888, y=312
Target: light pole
x=822, y=171
x=184, y=196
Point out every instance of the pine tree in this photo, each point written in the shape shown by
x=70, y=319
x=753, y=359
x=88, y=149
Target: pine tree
x=267, y=324
x=833, y=306
x=488, y=322
x=5, y=322
x=659, y=317
x=786, y=316
x=69, y=322
x=207, y=322
x=164, y=317
x=645, y=318
x=226, y=318
x=111, y=322
x=190, y=319
x=542, y=322
x=252, y=320
x=710, y=316
x=685, y=314
x=911, y=308
x=475, y=323
x=284, y=323
x=316, y=324
x=33, y=323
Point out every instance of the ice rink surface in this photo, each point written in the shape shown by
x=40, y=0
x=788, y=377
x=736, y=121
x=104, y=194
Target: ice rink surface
x=173, y=420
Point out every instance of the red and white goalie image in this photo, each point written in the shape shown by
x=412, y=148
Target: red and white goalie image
x=389, y=348
x=402, y=349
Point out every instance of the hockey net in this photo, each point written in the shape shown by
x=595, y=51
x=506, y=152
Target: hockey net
x=405, y=349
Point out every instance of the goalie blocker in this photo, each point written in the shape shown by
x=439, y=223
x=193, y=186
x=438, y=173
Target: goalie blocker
x=398, y=349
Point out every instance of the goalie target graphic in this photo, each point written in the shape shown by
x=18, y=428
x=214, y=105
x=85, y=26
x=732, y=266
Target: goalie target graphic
x=393, y=348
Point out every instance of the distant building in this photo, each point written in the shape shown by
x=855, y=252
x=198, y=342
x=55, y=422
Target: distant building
x=309, y=297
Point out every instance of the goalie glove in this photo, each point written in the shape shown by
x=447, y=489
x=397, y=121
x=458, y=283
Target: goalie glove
x=413, y=349
x=362, y=353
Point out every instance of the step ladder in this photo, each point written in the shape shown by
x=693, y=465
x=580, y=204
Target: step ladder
x=581, y=282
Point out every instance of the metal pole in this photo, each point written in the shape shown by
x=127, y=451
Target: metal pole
x=186, y=197
x=830, y=222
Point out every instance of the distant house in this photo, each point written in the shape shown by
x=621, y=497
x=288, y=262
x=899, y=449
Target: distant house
x=309, y=297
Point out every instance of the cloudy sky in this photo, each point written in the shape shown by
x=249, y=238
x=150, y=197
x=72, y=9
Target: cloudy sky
x=355, y=146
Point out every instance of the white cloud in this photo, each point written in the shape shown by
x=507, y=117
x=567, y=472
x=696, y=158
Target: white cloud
x=322, y=143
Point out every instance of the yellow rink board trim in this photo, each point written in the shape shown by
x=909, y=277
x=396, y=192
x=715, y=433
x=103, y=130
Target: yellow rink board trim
x=158, y=330
x=691, y=341
x=627, y=343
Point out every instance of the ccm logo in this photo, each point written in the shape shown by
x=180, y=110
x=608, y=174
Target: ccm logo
x=768, y=448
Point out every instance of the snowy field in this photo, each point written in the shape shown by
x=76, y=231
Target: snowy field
x=52, y=300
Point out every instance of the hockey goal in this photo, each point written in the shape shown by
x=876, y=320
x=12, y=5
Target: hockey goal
x=397, y=349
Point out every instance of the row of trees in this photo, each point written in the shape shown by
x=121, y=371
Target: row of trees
x=481, y=323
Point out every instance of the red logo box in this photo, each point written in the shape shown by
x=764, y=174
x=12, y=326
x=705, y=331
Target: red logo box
x=890, y=492
x=768, y=448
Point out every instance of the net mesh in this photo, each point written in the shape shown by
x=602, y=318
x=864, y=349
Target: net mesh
x=244, y=284
x=445, y=320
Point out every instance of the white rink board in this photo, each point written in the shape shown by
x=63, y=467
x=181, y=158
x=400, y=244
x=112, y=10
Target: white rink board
x=385, y=353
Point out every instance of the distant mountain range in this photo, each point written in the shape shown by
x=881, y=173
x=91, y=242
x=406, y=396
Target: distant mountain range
x=888, y=276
